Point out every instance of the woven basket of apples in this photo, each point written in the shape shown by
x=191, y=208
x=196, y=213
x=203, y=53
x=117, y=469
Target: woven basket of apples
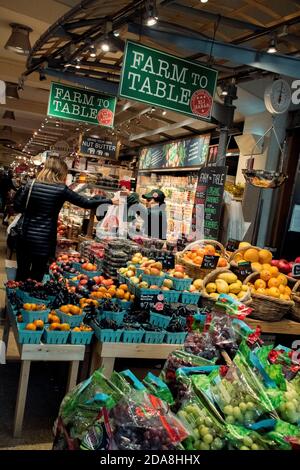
x=223, y=281
x=271, y=293
x=192, y=257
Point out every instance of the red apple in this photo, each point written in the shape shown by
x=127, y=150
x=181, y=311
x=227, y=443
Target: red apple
x=284, y=266
x=275, y=262
x=297, y=260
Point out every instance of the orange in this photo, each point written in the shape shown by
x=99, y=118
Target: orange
x=127, y=296
x=201, y=252
x=65, y=327
x=222, y=263
x=238, y=257
x=274, y=292
x=282, y=279
x=265, y=275
x=265, y=256
x=256, y=267
x=210, y=250
x=39, y=324
x=251, y=255
x=75, y=310
x=120, y=293
x=64, y=308
x=261, y=290
x=274, y=271
x=284, y=297
x=281, y=289
x=76, y=328
x=54, y=326
x=30, y=326
x=124, y=287
x=266, y=266
x=288, y=291
x=54, y=319
x=102, y=289
x=198, y=260
x=259, y=284
x=273, y=282
x=107, y=295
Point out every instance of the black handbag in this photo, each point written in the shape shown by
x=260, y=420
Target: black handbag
x=16, y=232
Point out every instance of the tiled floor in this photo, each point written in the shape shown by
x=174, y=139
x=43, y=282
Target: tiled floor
x=43, y=394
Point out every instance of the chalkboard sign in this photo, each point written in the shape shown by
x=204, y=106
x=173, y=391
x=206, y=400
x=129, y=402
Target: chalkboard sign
x=244, y=269
x=167, y=259
x=232, y=245
x=98, y=147
x=210, y=262
x=153, y=302
x=209, y=194
x=296, y=270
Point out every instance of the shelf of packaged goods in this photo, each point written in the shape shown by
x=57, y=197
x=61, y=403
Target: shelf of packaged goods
x=283, y=327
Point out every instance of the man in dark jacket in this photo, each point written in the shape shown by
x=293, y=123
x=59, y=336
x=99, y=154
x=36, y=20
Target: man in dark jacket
x=157, y=219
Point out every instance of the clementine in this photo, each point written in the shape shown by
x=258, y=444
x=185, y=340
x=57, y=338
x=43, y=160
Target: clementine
x=251, y=255
x=30, y=326
x=274, y=282
x=265, y=275
x=274, y=271
x=274, y=292
x=265, y=256
x=260, y=284
x=282, y=279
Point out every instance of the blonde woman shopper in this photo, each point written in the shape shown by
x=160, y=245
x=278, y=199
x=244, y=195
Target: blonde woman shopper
x=40, y=202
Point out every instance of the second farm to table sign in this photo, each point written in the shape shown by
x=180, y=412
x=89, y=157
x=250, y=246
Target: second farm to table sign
x=78, y=104
x=161, y=79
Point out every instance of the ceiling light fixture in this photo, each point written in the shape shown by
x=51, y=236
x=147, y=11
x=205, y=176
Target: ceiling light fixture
x=116, y=33
x=105, y=45
x=164, y=112
x=12, y=90
x=272, y=49
x=93, y=51
x=204, y=1
x=19, y=39
x=151, y=13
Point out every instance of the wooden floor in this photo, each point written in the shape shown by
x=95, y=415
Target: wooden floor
x=32, y=439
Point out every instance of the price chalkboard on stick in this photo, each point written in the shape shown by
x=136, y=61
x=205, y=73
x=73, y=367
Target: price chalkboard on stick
x=210, y=262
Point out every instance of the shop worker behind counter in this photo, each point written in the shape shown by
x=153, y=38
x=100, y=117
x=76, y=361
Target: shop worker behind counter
x=156, y=214
x=37, y=243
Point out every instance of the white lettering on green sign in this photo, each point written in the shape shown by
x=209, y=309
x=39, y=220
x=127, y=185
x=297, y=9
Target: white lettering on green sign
x=157, y=78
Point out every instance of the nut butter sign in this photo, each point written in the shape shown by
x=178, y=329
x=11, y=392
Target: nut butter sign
x=160, y=79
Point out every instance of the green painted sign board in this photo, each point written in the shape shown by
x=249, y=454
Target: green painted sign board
x=78, y=104
x=164, y=80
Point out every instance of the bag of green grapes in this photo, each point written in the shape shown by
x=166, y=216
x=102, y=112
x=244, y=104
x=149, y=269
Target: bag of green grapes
x=240, y=438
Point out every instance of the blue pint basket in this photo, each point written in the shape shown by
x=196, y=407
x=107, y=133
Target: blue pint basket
x=191, y=298
x=175, y=338
x=30, y=315
x=107, y=335
x=153, y=280
x=125, y=304
x=118, y=317
x=55, y=337
x=180, y=284
x=90, y=274
x=80, y=337
x=29, y=299
x=74, y=320
x=171, y=296
x=140, y=291
x=154, y=337
x=132, y=336
x=157, y=319
x=77, y=266
x=27, y=336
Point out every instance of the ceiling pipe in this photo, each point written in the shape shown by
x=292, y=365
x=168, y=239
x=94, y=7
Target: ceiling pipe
x=279, y=63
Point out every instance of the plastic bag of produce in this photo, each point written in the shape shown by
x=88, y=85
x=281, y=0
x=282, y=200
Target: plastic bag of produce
x=158, y=388
x=222, y=332
x=142, y=421
x=202, y=345
x=284, y=436
x=240, y=438
x=206, y=432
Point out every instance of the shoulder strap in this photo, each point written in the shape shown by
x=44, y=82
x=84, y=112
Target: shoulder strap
x=29, y=193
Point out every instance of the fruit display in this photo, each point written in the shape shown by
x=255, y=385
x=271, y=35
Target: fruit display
x=196, y=254
x=82, y=327
x=206, y=433
x=71, y=310
x=254, y=255
x=34, y=307
x=271, y=283
x=89, y=267
x=224, y=282
x=36, y=325
x=178, y=272
x=285, y=266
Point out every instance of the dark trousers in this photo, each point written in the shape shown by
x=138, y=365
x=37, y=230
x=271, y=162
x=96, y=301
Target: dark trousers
x=30, y=266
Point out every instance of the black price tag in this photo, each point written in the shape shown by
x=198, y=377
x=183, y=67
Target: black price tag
x=210, y=262
x=245, y=269
x=296, y=270
x=232, y=245
x=167, y=259
x=153, y=302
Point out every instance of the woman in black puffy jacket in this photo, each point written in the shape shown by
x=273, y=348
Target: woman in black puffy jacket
x=39, y=230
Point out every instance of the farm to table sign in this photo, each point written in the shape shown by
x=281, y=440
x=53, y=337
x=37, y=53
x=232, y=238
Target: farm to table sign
x=77, y=104
x=161, y=79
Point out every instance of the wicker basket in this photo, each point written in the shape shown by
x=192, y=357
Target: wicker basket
x=233, y=263
x=295, y=312
x=207, y=301
x=267, y=308
x=191, y=269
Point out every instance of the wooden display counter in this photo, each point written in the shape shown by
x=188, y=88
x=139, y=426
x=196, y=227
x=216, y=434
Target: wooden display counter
x=39, y=352
x=283, y=327
x=104, y=354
